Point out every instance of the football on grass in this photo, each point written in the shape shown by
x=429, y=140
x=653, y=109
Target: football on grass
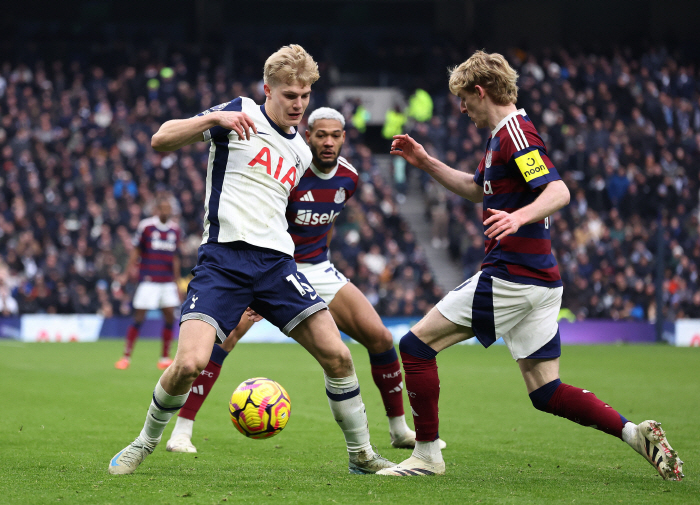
x=260, y=408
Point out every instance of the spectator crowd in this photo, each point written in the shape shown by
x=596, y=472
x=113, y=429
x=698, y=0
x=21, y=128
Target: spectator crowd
x=624, y=133
x=77, y=174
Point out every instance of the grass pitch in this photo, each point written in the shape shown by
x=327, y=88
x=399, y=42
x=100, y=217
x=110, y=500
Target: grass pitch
x=65, y=411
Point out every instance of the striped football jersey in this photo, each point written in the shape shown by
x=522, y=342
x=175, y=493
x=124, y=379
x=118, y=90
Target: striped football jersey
x=514, y=166
x=157, y=243
x=313, y=207
x=249, y=181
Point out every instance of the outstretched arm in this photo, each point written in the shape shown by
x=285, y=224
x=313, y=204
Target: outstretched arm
x=177, y=133
x=460, y=183
x=501, y=224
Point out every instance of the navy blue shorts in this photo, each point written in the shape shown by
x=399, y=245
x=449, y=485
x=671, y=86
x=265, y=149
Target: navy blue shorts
x=230, y=277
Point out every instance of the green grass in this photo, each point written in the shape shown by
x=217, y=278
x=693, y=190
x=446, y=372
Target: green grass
x=65, y=411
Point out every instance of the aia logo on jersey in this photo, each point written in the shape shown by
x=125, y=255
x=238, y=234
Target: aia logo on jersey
x=264, y=158
x=339, y=195
x=310, y=218
x=489, y=155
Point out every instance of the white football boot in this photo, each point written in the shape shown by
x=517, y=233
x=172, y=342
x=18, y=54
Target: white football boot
x=128, y=459
x=366, y=462
x=414, y=467
x=407, y=440
x=650, y=441
x=180, y=443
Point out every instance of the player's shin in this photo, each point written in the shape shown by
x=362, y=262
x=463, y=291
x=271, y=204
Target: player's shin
x=578, y=405
x=349, y=412
x=204, y=383
x=167, y=338
x=386, y=372
x=422, y=385
x=163, y=407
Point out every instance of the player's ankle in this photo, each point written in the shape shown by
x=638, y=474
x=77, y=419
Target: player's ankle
x=144, y=439
x=428, y=451
x=398, y=426
x=629, y=433
x=183, y=426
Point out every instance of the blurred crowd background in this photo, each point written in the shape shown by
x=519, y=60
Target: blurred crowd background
x=77, y=173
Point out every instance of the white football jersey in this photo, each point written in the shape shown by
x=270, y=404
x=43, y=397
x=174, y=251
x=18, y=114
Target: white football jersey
x=249, y=181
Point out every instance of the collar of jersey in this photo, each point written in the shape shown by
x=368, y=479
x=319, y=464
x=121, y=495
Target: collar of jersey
x=161, y=225
x=279, y=130
x=505, y=120
x=322, y=175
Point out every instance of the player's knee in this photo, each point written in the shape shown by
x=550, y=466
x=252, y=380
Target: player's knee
x=340, y=364
x=381, y=342
x=187, y=368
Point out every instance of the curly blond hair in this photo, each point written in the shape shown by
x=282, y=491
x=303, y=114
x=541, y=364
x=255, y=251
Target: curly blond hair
x=290, y=64
x=490, y=71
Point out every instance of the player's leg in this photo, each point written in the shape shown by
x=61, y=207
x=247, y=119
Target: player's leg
x=166, y=337
x=419, y=347
x=171, y=391
x=356, y=317
x=132, y=334
x=535, y=342
x=581, y=406
x=469, y=304
x=319, y=335
x=181, y=437
x=169, y=299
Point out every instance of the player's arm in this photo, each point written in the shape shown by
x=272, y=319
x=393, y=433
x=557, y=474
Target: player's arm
x=131, y=264
x=177, y=133
x=248, y=319
x=553, y=197
x=329, y=237
x=176, y=266
x=460, y=183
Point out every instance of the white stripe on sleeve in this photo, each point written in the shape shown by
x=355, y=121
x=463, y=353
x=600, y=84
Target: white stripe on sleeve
x=514, y=137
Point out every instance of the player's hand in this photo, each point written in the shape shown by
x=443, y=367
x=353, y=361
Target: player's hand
x=500, y=224
x=252, y=315
x=239, y=122
x=409, y=149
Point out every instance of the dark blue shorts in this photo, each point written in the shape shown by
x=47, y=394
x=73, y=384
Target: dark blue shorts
x=230, y=277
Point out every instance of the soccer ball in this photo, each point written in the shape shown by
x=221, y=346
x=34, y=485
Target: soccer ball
x=260, y=408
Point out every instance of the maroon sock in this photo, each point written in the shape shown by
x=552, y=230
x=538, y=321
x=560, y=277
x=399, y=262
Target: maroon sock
x=583, y=407
x=132, y=334
x=423, y=388
x=200, y=389
x=167, y=337
x=386, y=372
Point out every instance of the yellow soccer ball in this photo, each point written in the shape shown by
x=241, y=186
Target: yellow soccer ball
x=260, y=408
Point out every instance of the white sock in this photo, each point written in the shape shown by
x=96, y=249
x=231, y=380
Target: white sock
x=182, y=426
x=398, y=426
x=349, y=412
x=163, y=407
x=629, y=433
x=428, y=451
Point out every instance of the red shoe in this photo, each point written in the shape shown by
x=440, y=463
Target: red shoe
x=123, y=363
x=164, y=363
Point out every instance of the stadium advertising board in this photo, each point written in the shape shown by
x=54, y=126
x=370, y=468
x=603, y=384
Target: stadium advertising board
x=688, y=333
x=60, y=327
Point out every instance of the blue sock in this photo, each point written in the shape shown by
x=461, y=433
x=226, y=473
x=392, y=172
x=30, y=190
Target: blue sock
x=218, y=355
x=410, y=344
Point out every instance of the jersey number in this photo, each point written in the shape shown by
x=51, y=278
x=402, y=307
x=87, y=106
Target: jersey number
x=302, y=287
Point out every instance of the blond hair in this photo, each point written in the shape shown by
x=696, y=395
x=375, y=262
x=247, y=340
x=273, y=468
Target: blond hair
x=290, y=64
x=490, y=71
